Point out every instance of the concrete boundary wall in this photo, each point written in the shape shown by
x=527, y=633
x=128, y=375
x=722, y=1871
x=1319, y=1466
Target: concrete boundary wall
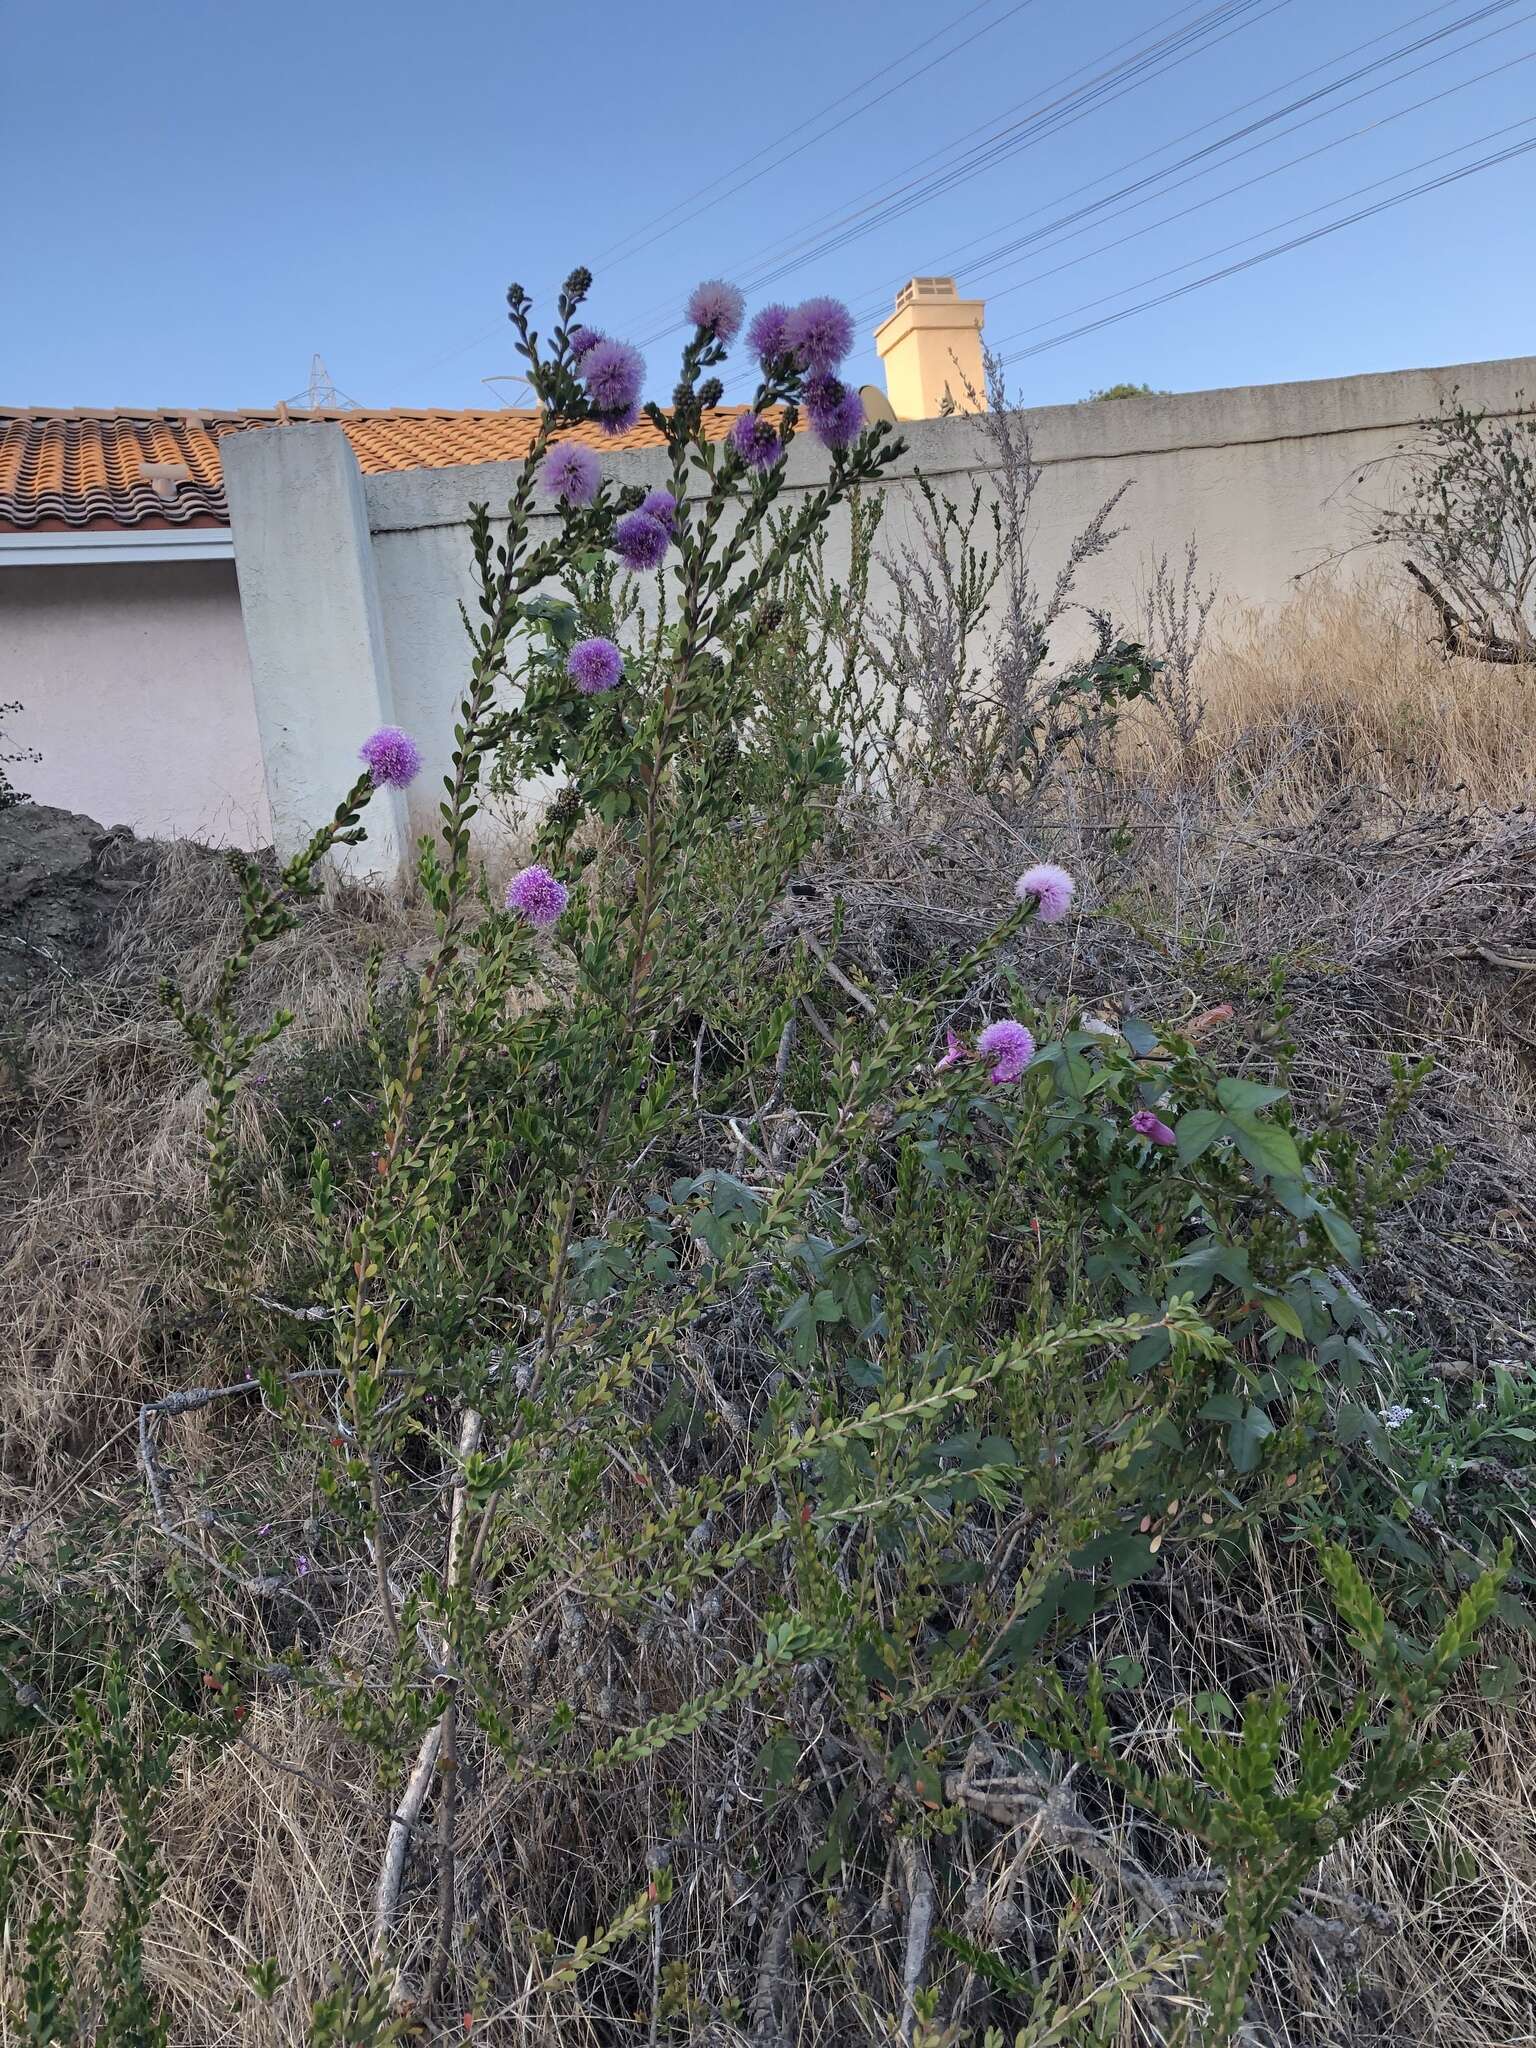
x=1267, y=477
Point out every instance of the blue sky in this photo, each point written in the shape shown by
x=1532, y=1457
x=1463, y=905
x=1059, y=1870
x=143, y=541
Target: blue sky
x=201, y=196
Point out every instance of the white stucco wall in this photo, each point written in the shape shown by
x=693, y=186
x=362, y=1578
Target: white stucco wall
x=136, y=691
x=1265, y=476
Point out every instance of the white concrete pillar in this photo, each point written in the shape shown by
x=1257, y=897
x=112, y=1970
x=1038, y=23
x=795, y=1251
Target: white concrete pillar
x=313, y=628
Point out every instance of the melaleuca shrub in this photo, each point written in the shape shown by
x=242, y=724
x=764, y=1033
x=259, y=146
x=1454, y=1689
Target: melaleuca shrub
x=727, y=1397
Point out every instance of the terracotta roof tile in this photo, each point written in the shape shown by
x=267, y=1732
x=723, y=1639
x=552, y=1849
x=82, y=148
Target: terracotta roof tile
x=64, y=470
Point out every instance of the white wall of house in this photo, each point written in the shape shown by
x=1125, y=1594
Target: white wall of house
x=136, y=692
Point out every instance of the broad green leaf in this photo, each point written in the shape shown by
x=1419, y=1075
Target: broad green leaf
x=1213, y=1706
x=1229, y=1260
x=778, y=1757
x=1267, y=1148
x=1342, y=1234
x=1295, y=1197
x=801, y=1318
x=1500, y=1682
x=1198, y=1131
x=1246, y=1437
x=1139, y=1036
x=1222, y=1408
x=1234, y=1094
x=1149, y=1351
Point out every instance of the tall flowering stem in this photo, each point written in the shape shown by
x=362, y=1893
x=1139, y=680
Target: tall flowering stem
x=365, y=1313
x=645, y=741
x=720, y=622
x=505, y=574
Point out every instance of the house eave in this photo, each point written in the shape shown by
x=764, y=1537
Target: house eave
x=97, y=546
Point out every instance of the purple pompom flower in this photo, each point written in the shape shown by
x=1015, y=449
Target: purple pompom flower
x=1151, y=1127
x=819, y=333
x=621, y=421
x=765, y=336
x=393, y=757
x=581, y=339
x=640, y=541
x=536, y=895
x=571, y=473
x=717, y=307
x=661, y=505
x=613, y=373
x=594, y=666
x=1010, y=1045
x=1052, y=889
x=839, y=425
x=756, y=441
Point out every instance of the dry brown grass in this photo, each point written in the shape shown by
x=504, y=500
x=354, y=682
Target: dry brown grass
x=102, y=1190
x=1454, y=1874
x=272, y=1846
x=1445, y=1959
x=1346, y=685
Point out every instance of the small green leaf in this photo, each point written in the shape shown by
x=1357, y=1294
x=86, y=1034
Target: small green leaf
x=1282, y=1315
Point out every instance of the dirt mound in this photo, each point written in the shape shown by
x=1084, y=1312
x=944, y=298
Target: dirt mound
x=61, y=878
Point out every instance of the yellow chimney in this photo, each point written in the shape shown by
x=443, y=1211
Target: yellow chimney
x=931, y=346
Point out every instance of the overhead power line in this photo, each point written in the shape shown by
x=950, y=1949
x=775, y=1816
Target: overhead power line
x=1150, y=60
x=609, y=257
x=850, y=210
x=1099, y=92
x=1068, y=226
x=1282, y=248
x=958, y=255
x=1260, y=177
x=1212, y=24
x=1157, y=180
x=1241, y=241
x=620, y=252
